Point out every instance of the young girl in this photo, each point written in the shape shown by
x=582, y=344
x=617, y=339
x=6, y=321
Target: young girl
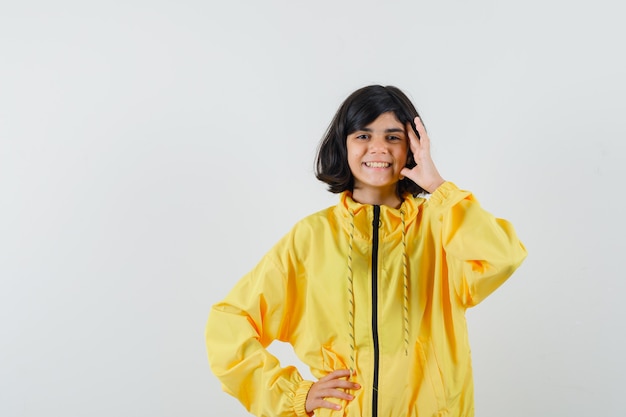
x=371, y=293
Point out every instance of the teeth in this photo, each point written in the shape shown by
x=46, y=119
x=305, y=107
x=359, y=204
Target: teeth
x=377, y=164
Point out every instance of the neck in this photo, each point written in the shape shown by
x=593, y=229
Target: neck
x=377, y=197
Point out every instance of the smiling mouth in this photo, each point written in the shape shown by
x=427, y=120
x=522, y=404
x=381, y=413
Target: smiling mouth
x=377, y=164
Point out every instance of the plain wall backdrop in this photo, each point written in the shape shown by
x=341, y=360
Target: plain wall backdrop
x=152, y=151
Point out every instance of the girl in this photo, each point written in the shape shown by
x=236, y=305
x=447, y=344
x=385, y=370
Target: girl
x=371, y=293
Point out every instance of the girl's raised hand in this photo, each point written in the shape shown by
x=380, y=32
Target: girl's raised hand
x=425, y=173
x=330, y=386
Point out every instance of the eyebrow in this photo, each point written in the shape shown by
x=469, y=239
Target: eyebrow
x=391, y=130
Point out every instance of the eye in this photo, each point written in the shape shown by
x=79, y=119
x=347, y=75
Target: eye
x=362, y=136
x=394, y=138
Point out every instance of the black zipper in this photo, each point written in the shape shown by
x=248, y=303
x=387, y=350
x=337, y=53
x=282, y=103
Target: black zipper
x=375, y=224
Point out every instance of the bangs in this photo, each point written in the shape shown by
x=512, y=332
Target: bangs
x=364, y=110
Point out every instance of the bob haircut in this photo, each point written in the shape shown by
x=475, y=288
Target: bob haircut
x=359, y=110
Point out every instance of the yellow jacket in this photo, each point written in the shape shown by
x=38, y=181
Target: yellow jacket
x=388, y=302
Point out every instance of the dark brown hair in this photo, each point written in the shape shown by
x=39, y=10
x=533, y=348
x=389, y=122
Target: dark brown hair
x=359, y=110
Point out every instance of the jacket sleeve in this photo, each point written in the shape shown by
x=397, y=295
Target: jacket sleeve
x=481, y=250
x=240, y=328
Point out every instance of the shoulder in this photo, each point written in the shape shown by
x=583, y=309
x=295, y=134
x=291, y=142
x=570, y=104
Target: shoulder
x=304, y=234
x=316, y=222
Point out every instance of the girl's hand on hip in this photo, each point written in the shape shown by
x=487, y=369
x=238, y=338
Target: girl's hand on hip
x=425, y=173
x=330, y=386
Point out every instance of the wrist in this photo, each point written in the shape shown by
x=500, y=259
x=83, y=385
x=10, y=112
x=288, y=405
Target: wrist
x=434, y=185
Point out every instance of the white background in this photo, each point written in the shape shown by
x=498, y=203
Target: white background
x=152, y=151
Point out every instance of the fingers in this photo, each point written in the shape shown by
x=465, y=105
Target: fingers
x=414, y=141
x=424, y=173
x=424, y=140
x=421, y=130
x=418, y=138
x=332, y=385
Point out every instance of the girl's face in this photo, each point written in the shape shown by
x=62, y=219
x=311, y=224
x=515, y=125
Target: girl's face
x=376, y=155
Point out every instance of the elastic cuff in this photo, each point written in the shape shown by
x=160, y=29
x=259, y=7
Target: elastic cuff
x=442, y=192
x=299, y=402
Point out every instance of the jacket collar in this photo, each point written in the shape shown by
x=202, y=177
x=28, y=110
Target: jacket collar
x=390, y=218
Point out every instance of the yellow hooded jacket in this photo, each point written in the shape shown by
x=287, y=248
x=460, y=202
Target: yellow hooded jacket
x=378, y=290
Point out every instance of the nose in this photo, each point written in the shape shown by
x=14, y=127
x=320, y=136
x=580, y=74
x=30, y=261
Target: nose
x=378, y=144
